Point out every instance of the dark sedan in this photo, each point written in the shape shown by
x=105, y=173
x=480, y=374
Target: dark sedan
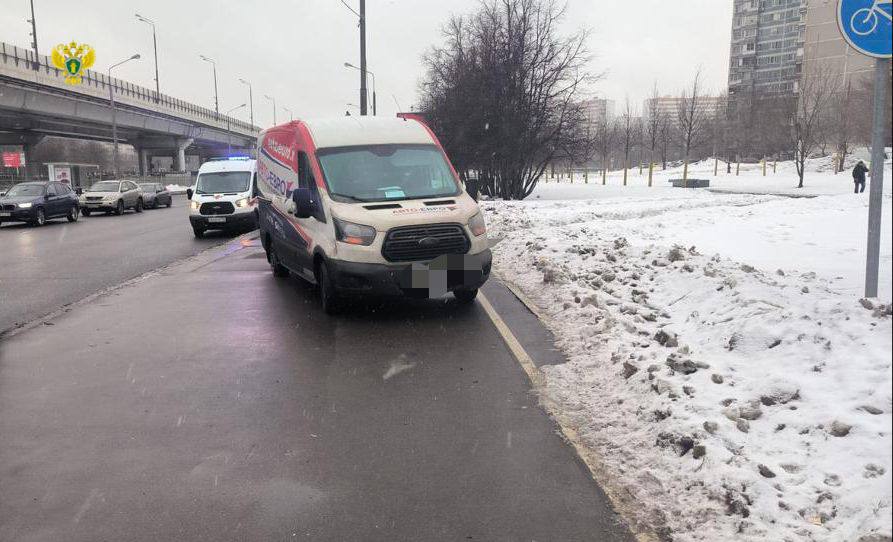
x=155, y=195
x=37, y=202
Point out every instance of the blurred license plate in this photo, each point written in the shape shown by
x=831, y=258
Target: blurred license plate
x=4, y=213
x=217, y=219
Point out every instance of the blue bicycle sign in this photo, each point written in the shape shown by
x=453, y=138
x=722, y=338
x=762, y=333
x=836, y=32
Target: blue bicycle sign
x=867, y=25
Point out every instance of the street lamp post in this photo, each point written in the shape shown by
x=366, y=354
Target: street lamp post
x=272, y=99
x=155, y=47
x=114, y=113
x=250, y=101
x=33, y=22
x=291, y=115
x=229, y=139
x=374, y=110
x=363, y=71
x=216, y=101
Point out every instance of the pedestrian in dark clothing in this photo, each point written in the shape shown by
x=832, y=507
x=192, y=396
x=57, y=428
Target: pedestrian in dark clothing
x=859, y=176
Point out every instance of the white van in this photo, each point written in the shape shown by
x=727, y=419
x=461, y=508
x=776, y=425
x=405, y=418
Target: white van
x=368, y=205
x=224, y=195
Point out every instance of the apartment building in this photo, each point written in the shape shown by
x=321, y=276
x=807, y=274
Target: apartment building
x=767, y=46
x=826, y=52
x=668, y=107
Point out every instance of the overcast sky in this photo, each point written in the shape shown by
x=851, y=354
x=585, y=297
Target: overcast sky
x=294, y=50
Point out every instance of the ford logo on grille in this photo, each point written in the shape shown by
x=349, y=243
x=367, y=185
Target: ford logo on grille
x=429, y=242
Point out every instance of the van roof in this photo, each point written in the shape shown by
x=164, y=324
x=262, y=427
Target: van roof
x=227, y=165
x=348, y=131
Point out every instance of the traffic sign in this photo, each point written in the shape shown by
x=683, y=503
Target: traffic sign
x=867, y=25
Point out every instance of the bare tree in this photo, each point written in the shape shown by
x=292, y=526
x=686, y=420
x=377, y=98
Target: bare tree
x=605, y=135
x=502, y=92
x=692, y=120
x=666, y=134
x=818, y=86
x=653, y=124
x=627, y=135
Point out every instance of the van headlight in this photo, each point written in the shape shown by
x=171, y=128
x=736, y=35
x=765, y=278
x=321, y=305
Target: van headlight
x=477, y=225
x=242, y=203
x=354, y=234
x=194, y=205
x=25, y=205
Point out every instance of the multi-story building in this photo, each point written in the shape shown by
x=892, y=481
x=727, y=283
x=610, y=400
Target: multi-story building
x=826, y=52
x=767, y=46
x=599, y=110
x=668, y=107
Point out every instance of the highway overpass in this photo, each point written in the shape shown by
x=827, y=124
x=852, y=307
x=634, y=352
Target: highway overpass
x=36, y=102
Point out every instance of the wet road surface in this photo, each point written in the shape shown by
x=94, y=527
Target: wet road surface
x=214, y=402
x=43, y=268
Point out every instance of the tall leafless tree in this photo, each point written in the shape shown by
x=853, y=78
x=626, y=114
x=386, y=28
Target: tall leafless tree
x=653, y=123
x=628, y=135
x=605, y=135
x=503, y=92
x=692, y=120
x=818, y=86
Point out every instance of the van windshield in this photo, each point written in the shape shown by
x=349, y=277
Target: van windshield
x=387, y=172
x=222, y=182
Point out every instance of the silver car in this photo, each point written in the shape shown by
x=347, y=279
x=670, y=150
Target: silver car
x=112, y=197
x=155, y=195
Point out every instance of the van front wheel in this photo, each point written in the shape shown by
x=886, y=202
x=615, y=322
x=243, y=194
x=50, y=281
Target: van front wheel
x=327, y=293
x=279, y=270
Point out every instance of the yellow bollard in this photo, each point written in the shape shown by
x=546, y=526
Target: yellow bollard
x=715, y=167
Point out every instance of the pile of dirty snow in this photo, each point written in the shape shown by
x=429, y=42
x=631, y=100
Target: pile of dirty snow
x=733, y=400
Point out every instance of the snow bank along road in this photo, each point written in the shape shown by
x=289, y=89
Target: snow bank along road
x=722, y=366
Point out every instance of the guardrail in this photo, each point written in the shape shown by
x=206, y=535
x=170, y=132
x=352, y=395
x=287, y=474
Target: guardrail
x=26, y=65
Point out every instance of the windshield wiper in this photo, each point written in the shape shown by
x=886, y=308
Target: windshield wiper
x=352, y=198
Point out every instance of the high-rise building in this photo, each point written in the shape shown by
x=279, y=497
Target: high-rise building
x=598, y=110
x=668, y=107
x=825, y=50
x=767, y=46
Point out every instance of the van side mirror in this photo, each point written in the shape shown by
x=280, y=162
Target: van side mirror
x=303, y=202
x=188, y=193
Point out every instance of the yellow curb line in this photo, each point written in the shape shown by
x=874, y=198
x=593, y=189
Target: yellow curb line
x=621, y=500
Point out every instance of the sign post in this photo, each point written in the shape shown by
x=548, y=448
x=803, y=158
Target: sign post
x=866, y=26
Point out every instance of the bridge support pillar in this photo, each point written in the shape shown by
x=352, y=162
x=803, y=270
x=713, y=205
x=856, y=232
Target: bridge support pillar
x=144, y=158
x=180, y=158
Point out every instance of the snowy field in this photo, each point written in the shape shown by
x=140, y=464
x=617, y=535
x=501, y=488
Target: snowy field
x=721, y=363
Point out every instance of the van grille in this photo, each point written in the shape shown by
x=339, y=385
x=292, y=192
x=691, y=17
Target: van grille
x=425, y=242
x=217, y=208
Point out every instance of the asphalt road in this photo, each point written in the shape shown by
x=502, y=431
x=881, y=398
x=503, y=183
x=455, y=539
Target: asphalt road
x=42, y=269
x=212, y=401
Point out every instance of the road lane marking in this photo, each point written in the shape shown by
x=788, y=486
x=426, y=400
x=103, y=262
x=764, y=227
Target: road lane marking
x=622, y=501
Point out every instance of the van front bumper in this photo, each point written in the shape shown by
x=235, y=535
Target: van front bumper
x=213, y=222
x=421, y=279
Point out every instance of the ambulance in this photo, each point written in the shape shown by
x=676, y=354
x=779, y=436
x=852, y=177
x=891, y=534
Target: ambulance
x=224, y=195
x=368, y=206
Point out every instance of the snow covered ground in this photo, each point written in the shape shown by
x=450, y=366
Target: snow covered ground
x=721, y=363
